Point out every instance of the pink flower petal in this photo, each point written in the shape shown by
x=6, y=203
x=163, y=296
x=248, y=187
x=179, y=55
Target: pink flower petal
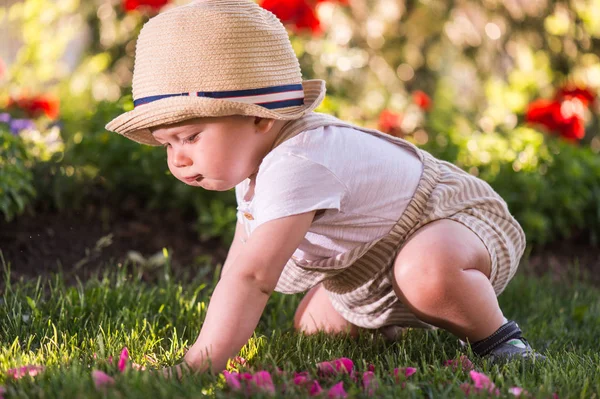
x=246, y=376
x=517, y=391
x=301, y=378
x=315, y=388
x=466, y=388
x=371, y=367
x=123, y=359
x=483, y=383
x=20, y=372
x=407, y=371
x=369, y=382
x=481, y=380
x=342, y=365
x=337, y=391
x=102, y=380
x=463, y=361
x=264, y=382
x=233, y=380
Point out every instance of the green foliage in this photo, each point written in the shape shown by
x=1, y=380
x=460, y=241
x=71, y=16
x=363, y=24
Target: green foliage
x=559, y=200
x=16, y=179
x=98, y=160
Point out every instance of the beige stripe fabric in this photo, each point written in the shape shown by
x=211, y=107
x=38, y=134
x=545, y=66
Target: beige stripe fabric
x=359, y=282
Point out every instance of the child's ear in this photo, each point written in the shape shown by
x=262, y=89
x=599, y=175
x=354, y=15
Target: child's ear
x=263, y=124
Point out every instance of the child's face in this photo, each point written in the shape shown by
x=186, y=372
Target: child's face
x=215, y=153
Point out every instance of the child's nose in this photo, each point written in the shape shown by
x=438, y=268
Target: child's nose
x=180, y=159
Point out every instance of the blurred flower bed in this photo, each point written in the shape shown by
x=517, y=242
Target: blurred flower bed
x=506, y=90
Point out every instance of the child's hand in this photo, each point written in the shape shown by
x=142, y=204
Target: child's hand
x=177, y=371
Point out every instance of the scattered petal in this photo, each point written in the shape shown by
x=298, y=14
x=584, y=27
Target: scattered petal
x=406, y=371
x=20, y=372
x=264, y=382
x=316, y=389
x=233, y=380
x=481, y=380
x=483, y=383
x=463, y=361
x=517, y=391
x=466, y=388
x=102, y=380
x=342, y=365
x=369, y=382
x=123, y=359
x=301, y=378
x=246, y=376
x=337, y=391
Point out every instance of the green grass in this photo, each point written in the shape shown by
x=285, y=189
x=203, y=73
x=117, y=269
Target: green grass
x=62, y=327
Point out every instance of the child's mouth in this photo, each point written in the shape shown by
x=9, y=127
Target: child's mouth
x=197, y=178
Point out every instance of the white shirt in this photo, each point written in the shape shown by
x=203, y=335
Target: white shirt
x=362, y=182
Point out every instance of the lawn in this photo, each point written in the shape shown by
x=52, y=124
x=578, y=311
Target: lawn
x=73, y=330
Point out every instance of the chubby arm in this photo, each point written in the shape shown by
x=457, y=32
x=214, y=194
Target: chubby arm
x=236, y=245
x=242, y=293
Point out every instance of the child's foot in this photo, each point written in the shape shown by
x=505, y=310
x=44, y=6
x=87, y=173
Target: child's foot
x=514, y=349
x=507, y=343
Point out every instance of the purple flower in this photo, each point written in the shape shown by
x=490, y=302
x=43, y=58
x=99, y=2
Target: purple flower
x=5, y=117
x=16, y=125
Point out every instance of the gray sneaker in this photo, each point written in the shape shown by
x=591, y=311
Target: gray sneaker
x=513, y=349
x=507, y=343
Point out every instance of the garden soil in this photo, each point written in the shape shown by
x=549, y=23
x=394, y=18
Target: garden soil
x=83, y=243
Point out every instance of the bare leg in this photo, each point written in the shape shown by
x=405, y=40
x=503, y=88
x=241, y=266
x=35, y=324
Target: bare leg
x=442, y=275
x=315, y=313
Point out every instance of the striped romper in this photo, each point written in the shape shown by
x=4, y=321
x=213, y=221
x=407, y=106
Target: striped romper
x=359, y=281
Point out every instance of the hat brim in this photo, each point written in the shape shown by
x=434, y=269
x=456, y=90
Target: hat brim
x=136, y=124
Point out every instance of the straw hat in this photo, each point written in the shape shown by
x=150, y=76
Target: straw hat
x=214, y=58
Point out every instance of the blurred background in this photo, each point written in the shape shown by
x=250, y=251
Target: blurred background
x=506, y=90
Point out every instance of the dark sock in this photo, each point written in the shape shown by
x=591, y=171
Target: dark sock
x=509, y=330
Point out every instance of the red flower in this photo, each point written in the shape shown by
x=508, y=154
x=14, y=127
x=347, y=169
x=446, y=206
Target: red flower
x=421, y=99
x=389, y=122
x=583, y=94
x=154, y=5
x=562, y=117
x=297, y=13
x=34, y=107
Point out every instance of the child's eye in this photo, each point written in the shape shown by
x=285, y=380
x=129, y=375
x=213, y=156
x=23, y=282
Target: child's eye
x=191, y=139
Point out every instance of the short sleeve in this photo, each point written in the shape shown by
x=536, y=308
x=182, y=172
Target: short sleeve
x=291, y=184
